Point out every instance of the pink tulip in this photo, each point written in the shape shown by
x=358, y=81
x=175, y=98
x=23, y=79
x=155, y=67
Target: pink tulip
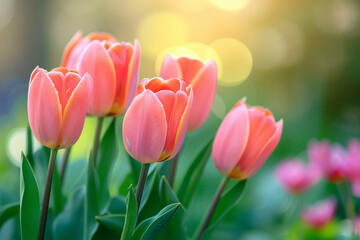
x=357, y=225
x=57, y=104
x=202, y=77
x=155, y=124
x=245, y=139
x=331, y=160
x=320, y=214
x=295, y=176
x=113, y=67
x=353, y=165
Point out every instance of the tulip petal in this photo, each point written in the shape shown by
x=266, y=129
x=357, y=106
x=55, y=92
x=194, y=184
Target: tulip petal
x=144, y=128
x=75, y=110
x=158, y=84
x=268, y=148
x=231, y=139
x=96, y=62
x=189, y=68
x=44, y=110
x=73, y=50
x=204, y=87
x=261, y=130
x=170, y=68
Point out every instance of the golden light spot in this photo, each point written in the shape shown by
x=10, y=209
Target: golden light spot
x=230, y=5
x=236, y=61
x=195, y=50
x=161, y=30
x=15, y=145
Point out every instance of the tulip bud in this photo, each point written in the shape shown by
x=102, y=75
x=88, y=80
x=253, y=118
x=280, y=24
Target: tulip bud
x=245, y=139
x=113, y=67
x=331, y=160
x=295, y=176
x=57, y=104
x=320, y=214
x=202, y=78
x=155, y=124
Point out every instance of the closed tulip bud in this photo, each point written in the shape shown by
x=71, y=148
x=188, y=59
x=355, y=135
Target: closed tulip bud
x=318, y=215
x=331, y=160
x=245, y=139
x=113, y=67
x=295, y=177
x=155, y=124
x=57, y=104
x=202, y=78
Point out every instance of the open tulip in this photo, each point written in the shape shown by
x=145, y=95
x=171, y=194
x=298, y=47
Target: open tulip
x=331, y=160
x=57, y=104
x=245, y=139
x=320, y=214
x=295, y=176
x=113, y=67
x=155, y=124
x=203, y=79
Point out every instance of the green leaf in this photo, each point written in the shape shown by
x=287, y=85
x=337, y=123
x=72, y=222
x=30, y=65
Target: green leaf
x=135, y=167
x=149, y=228
x=108, y=153
x=193, y=175
x=227, y=201
x=75, y=176
x=117, y=205
x=58, y=198
x=29, y=202
x=69, y=224
x=167, y=194
x=91, y=202
x=131, y=215
x=29, y=145
x=8, y=211
x=114, y=222
x=124, y=186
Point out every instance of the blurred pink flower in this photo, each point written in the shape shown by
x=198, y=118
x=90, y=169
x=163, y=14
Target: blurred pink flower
x=353, y=165
x=331, y=160
x=318, y=215
x=357, y=225
x=296, y=177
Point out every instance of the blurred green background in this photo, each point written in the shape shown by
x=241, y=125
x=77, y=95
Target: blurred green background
x=299, y=58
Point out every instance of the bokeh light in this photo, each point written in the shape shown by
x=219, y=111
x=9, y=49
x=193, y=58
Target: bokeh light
x=6, y=12
x=161, y=30
x=219, y=106
x=229, y=5
x=236, y=61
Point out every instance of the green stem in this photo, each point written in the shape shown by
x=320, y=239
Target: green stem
x=141, y=182
x=45, y=203
x=64, y=163
x=348, y=203
x=207, y=220
x=97, y=140
x=172, y=170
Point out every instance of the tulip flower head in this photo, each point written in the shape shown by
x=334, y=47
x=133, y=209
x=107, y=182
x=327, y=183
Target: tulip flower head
x=57, y=104
x=155, y=124
x=317, y=216
x=331, y=160
x=353, y=165
x=245, y=139
x=113, y=67
x=295, y=177
x=357, y=225
x=202, y=78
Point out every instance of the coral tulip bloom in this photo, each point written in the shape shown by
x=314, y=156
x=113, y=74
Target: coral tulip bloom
x=113, y=67
x=245, y=139
x=57, y=104
x=295, y=176
x=155, y=124
x=320, y=214
x=203, y=79
x=331, y=160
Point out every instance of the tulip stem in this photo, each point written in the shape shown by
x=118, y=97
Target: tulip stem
x=172, y=170
x=64, y=163
x=207, y=220
x=97, y=140
x=141, y=182
x=348, y=203
x=45, y=203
